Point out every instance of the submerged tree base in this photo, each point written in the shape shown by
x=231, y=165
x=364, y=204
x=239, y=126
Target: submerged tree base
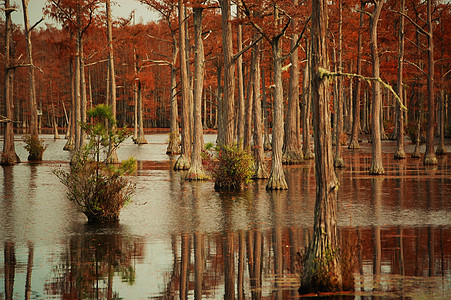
x=260, y=171
x=70, y=145
x=197, y=173
x=292, y=158
x=308, y=155
x=376, y=169
x=182, y=163
x=441, y=150
x=140, y=140
x=400, y=154
x=276, y=182
x=354, y=145
x=339, y=162
x=430, y=159
x=9, y=159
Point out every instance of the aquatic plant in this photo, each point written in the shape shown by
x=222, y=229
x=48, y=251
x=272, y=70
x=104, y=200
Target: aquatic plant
x=234, y=168
x=34, y=146
x=98, y=188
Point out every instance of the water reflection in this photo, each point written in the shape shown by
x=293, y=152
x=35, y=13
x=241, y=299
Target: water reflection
x=183, y=240
x=92, y=262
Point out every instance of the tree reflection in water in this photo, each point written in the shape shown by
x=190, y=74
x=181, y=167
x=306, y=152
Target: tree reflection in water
x=88, y=267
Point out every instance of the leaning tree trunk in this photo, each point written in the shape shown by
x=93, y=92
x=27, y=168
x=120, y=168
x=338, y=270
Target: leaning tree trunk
x=322, y=270
x=354, y=143
x=293, y=153
x=276, y=179
x=429, y=156
x=9, y=156
x=338, y=160
x=227, y=136
x=196, y=171
x=183, y=162
x=376, y=167
x=260, y=170
x=400, y=153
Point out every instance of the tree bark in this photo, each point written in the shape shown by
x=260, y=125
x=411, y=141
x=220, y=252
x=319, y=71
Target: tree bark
x=196, y=171
x=241, y=105
x=31, y=78
x=260, y=170
x=354, y=143
x=429, y=156
x=183, y=162
x=174, y=136
x=322, y=270
x=140, y=138
x=276, y=179
x=293, y=151
x=308, y=154
x=338, y=160
x=112, y=80
x=266, y=142
x=227, y=135
x=400, y=153
x=376, y=167
x=9, y=156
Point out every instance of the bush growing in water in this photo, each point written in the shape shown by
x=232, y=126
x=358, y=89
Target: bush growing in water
x=234, y=168
x=34, y=146
x=99, y=189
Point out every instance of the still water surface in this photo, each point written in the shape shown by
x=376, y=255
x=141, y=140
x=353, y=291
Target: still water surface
x=180, y=239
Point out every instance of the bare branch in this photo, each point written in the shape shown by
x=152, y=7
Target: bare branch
x=36, y=24
x=416, y=66
x=235, y=57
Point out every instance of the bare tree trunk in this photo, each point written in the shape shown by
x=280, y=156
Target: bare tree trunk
x=227, y=135
x=140, y=138
x=376, y=167
x=174, y=136
x=196, y=171
x=83, y=95
x=9, y=156
x=293, y=152
x=266, y=142
x=77, y=107
x=248, y=107
x=338, y=160
x=56, y=135
x=183, y=162
x=400, y=153
x=112, y=80
x=241, y=105
x=34, y=155
x=308, y=154
x=322, y=269
x=429, y=156
x=135, y=96
x=276, y=179
x=70, y=144
x=354, y=143
x=260, y=170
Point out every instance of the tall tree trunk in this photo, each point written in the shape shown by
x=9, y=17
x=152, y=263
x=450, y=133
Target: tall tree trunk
x=9, y=156
x=248, y=107
x=266, y=142
x=400, y=153
x=196, y=171
x=276, y=179
x=322, y=270
x=140, y=138
x=227, y=135
x=112, y=79
x=174, y=136
x=376, y=167
x=241, y=105
x=308, y=154
x=77, y=92
x=83, y=96
x=34, y=155
x=354, y=143
x=70, y=134
x=338, y=160
x=293, y=152
x=429, y=156
x=260, y=170
x=135, y=96
x=183, y=162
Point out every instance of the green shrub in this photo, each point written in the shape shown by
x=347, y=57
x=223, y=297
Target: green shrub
x=234, y=168
x=34, y=146
x=99, y=189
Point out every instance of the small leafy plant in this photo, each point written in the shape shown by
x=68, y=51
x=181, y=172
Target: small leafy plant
x=34, y=146
x=234, y=168
x=99, y=189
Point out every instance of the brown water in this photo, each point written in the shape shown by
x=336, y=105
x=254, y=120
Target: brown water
x=181, y=239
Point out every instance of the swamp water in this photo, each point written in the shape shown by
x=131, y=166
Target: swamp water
x=180, y=239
